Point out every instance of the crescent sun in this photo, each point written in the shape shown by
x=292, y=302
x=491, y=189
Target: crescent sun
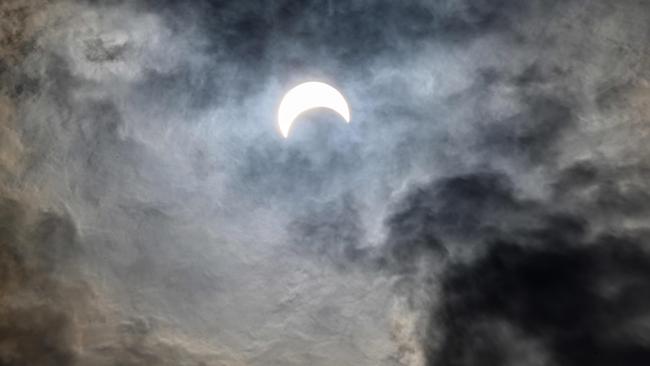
x=308, y=96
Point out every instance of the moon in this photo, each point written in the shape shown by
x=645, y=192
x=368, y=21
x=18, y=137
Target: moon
x=310, y=95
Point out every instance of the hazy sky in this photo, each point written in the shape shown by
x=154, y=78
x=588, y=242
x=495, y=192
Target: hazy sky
x=487, y=205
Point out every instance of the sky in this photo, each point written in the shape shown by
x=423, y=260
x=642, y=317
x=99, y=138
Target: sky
x=487, y=204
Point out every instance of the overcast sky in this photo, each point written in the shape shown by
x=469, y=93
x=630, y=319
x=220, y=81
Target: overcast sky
x=487, y=204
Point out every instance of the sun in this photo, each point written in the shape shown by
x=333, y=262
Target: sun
x=310, y=95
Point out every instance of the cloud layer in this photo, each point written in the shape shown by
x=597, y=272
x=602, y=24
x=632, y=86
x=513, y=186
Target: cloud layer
x=486, y=205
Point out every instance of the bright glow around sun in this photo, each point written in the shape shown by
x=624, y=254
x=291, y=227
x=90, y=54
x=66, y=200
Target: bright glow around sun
x=308, y=96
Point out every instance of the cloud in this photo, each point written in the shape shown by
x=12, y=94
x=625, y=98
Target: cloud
x=542, y=273
x=151, y=213
x=333, y=230
x=38, y=252
x=52, y=314
x=581, y=302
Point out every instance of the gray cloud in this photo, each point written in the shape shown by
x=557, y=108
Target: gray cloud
x=485, y=206
x=36, y=252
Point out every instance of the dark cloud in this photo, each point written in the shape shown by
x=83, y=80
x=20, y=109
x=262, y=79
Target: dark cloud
x=580, y=301
x=542, y=276
x=463, y=209
x=352, y=31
